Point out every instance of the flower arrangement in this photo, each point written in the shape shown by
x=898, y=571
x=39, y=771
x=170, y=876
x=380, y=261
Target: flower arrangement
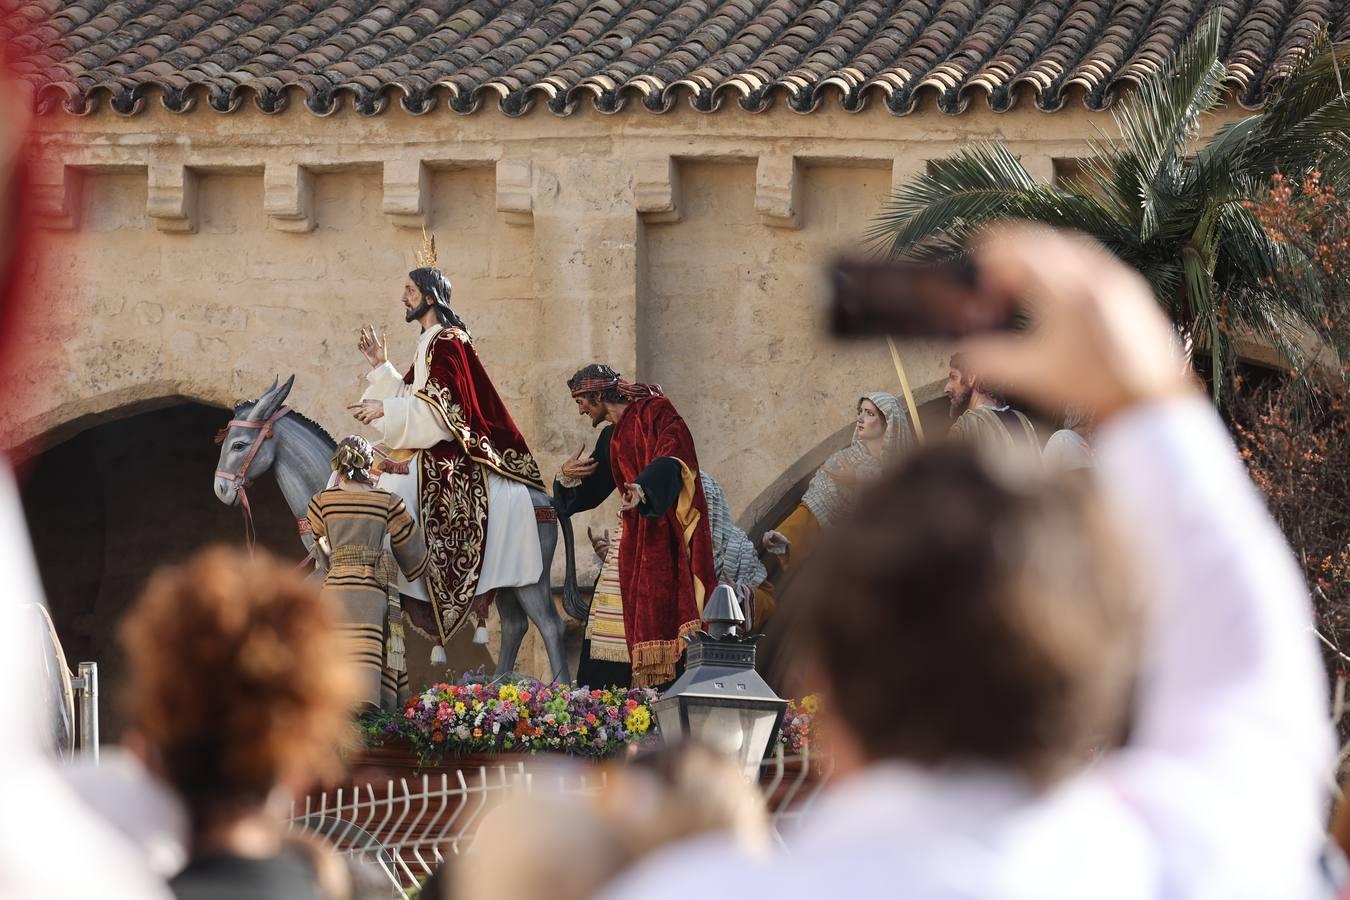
x=796, y=733
x=516, y=717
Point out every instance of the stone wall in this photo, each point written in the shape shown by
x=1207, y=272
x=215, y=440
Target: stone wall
x=196, y=256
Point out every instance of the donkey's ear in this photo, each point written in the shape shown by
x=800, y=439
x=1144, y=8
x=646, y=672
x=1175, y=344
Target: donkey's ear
x=271, y=401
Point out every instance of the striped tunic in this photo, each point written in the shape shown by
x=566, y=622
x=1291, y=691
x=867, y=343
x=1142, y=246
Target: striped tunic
x=362, y=581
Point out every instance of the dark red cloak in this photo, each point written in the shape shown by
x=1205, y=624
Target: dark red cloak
x=665, y=563
x=452, y=478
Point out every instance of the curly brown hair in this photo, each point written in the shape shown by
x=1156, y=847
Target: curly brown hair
x=237, y=679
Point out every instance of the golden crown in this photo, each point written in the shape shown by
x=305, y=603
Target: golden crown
x=426, y=257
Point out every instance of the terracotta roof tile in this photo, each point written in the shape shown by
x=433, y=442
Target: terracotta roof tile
x=462, y=53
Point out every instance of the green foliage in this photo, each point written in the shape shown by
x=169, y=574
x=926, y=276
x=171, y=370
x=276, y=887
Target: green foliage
x=1182, y=219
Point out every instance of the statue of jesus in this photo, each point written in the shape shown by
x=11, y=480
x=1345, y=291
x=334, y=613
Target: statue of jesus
x=468, y=476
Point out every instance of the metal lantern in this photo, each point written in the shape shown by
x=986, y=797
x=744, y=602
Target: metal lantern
x=720, y=700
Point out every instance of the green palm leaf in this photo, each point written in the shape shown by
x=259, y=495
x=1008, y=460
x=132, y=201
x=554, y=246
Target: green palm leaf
x=1183, y=221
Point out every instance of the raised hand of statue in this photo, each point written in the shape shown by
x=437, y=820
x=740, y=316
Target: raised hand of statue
x=577, y=467
x=367, y=411
x=372, y=344
x=632, y=497
x=599, y=543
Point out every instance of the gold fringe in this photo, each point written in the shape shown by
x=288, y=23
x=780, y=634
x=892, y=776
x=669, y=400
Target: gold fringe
x=408, y=623
x=654, y=661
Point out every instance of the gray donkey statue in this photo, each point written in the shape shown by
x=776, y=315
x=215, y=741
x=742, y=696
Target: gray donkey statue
x=265, y=435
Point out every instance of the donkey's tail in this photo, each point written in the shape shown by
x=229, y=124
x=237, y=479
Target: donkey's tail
x=573, y=603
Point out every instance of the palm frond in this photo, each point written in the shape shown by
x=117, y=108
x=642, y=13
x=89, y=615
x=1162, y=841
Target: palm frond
x=974, y=186
x=1307, y=121
x=1158, y=120
x=1315, y=80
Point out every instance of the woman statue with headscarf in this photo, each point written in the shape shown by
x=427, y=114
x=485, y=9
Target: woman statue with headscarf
x=883, y=432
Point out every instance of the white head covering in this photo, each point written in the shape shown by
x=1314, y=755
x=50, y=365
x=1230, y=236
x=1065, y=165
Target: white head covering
x=826, y=499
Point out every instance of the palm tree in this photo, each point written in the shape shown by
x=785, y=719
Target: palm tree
x=1183, y=219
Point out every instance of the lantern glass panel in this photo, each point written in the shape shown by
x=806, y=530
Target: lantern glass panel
x=740, y=732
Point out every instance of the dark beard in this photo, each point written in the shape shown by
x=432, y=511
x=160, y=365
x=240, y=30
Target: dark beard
x=961, y=402
x=413, y=315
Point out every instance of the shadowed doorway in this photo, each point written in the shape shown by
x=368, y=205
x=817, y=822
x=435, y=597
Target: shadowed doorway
x=108, y=505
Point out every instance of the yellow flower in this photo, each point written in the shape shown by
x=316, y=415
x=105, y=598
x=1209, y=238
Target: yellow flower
x=509, y=693
x=582, y=729
x=638, y=720
x=811, y=704
x=607, y=697
x=460, y=708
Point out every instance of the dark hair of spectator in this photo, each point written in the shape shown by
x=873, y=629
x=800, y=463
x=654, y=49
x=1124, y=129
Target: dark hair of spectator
x=973, y=610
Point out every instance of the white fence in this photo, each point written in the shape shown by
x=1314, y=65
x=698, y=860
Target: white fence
x=406, y=827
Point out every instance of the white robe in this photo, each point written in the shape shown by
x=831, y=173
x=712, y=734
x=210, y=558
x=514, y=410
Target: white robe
x=511, y=555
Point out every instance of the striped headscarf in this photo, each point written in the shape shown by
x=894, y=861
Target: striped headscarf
x=601, y=379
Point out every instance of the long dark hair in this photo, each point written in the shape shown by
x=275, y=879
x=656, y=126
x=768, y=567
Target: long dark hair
x=435, y=288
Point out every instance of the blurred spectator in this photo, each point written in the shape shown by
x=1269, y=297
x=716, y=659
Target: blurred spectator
x=43, y=819
x=975, y=627
x=240, y=692
x=137, y=804
x=1068, y=449
x=567, y=846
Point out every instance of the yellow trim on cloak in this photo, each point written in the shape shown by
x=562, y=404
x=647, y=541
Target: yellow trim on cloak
x=688, y=515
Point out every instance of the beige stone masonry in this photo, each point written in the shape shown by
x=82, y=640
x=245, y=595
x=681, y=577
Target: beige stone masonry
x=656, y=190
x=684, y=248
x=288, y=197
x=171, y=200
x=1040, y=166
x=515, y=191
x=405, y=192
x=55, y=186
x=776, y=201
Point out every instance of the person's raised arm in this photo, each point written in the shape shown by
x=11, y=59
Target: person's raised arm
x=1230, y=743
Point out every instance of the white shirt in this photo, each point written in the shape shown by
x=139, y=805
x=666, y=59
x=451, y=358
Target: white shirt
x=1067, y=450
x=511, y=552
x=1219, y=793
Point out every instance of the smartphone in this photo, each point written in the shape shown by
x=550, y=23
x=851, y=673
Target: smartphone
x=921, y=300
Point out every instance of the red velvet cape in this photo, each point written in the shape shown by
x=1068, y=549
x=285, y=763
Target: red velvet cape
x=665, y=563
x=452, y=475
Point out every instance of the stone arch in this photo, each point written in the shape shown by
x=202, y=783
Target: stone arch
x=69, y=416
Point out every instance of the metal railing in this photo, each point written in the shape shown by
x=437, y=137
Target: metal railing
x=406, y=827
x=85, y=687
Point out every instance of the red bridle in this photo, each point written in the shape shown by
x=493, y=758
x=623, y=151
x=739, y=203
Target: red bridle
x=240, y=478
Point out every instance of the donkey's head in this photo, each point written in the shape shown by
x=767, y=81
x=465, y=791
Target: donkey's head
x=238, y=442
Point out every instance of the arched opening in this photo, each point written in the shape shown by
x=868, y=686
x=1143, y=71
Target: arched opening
x=108, y=504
